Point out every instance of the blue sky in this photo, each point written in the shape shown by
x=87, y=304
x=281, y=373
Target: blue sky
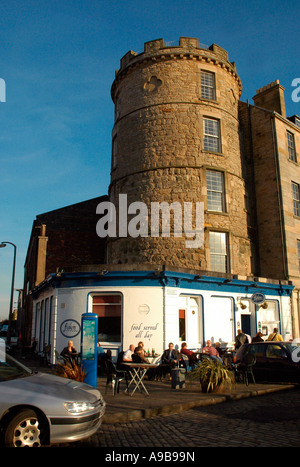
x=58, y=60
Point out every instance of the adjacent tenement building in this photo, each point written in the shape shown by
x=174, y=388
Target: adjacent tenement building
x=62, y=238
x=270, y=149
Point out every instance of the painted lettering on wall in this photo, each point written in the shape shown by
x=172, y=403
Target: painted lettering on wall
x=143, y=331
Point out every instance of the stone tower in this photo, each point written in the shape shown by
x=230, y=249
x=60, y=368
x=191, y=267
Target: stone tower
x=176, y=140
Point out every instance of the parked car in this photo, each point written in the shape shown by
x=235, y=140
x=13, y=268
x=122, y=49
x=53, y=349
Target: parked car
x=40, y=409
x=275, y=361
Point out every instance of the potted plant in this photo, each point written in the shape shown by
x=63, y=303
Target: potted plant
x=69, y=369
x=213, y=375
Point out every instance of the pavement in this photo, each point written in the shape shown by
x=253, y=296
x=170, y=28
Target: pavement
x=163, y=399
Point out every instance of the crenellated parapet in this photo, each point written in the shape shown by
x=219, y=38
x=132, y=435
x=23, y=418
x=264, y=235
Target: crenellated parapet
x=188, y=49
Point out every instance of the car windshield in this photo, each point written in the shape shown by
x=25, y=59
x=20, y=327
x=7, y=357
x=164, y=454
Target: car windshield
x=12, y=369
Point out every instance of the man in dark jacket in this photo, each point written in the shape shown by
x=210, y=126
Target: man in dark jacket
x=170, y=355
x=170, y=359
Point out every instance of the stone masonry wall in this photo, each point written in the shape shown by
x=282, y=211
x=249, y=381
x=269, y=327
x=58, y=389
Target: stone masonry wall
x=158, y=152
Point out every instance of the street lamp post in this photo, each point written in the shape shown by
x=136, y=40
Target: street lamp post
x=3, y=245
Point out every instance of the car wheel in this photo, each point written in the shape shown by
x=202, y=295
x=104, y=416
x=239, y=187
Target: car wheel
x=24, y=430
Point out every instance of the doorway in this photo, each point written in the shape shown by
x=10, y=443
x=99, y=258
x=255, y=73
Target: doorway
x=246, y=326
x=189, y=315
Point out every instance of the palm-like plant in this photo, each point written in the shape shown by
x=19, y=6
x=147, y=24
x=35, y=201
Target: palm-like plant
x=213, y=375
x=69, y=369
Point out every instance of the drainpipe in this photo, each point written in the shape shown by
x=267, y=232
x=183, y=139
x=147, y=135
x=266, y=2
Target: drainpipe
x=254, y=199
x=164, y=317
x=280, y=202
x=54, y=324
x=281, y=215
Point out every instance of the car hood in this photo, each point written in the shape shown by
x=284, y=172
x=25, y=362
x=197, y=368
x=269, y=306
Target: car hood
x=42, y=389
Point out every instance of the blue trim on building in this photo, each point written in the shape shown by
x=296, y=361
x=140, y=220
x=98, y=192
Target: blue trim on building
x=160, y=279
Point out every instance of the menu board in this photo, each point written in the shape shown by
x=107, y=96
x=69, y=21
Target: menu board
x=88, y=339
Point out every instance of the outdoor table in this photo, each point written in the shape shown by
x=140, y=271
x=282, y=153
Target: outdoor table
x=137, y=372
x=152, y=358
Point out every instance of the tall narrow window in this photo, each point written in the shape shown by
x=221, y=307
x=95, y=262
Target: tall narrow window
x=291, y=146
x=208, y=89
x=296, y=198
x=117, y=108
x=215, y=191
x=114, y=153
x=218, y=251
x=211, y=130
x=108, y=308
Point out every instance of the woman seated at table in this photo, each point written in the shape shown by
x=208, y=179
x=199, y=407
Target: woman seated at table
x=139, y=355
x=140, y=344
x=69, y=352
x=189, y=353
x=219, y=349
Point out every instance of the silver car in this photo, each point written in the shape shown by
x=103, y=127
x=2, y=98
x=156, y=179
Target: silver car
x=39, y=409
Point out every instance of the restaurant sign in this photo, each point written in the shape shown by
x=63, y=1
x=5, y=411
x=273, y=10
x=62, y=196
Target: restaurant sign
x=70, y=328
x=258, y=298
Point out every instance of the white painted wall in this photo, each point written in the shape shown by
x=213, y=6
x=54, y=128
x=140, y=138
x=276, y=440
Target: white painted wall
x=151, y=315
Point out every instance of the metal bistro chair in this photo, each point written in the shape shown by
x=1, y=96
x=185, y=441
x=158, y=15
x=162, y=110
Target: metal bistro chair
x=245, y=368
x=114, y=376
x=185, y=362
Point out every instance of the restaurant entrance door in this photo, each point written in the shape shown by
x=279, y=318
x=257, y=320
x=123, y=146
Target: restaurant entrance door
x=189, y=320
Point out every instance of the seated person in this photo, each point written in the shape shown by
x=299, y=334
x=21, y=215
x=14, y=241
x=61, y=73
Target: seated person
x=100, y=350
x=189, y=353
x=127, y=356
x=219, y=349
x=101, y=358
x=211, y=351
x=139, y=356
x=170, y=359
x=69, y=352
x=275, y=336
x=258, y=337
x=47, y=352
x=140, y=344
x=33, y=346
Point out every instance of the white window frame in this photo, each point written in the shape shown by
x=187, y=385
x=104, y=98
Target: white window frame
x=215, y=191
x=296, y=198
x=208, y=85
x=219, y=254
x=211, y=135
x=107, y=303
x=291, y=146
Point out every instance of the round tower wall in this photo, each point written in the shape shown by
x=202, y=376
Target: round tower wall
x=158, y=152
